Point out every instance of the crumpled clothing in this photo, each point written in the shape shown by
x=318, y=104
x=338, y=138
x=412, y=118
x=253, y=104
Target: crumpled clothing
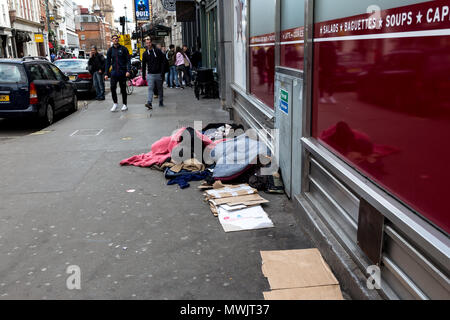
x=139, y=82
x=190, y=165
x=161, y=150
x=183, y=178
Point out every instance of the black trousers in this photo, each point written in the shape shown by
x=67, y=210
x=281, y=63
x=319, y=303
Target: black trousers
x=123, y=88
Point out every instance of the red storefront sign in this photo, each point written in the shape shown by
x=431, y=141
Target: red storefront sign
x=382, y=100
x=292, y=48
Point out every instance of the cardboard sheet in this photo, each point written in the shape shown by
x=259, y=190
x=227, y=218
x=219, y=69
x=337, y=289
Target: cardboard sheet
x=311, y=293
x=231, y=191
x=248, y=200
x=245, y=219
x=296, y=269
x=233, y=208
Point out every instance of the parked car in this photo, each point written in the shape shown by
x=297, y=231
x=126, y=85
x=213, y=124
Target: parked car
x=77, y=71
x=349, y=66
x=34, y=87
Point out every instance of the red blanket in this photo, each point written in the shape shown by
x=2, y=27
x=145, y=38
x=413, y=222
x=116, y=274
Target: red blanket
x=161, y=150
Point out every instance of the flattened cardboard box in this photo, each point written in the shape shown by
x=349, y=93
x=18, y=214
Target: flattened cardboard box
x=231, y=191
x=252, y=199
x=299, y=269
x=311, y=293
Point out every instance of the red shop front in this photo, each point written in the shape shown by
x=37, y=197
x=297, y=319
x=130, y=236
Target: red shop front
x=371, y=136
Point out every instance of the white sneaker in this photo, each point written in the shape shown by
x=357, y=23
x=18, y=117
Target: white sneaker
x=124, y=108
x=323, y=100
x=114, y=108
x=333, y=100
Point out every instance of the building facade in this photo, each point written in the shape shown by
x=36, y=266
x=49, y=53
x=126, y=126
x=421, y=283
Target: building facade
x=350, y=96
x=5, y=31
x=70, y=39
x=107, y=9
x=26, y=28
x=92, y=30
x=167, y=18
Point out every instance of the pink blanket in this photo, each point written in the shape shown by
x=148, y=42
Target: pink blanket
x=161, y=150
x=139, y=82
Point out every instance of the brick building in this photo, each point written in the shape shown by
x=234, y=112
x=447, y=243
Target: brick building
x=92, y=29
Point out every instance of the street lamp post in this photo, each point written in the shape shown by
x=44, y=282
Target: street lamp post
x=48, y=21
x=126, y=18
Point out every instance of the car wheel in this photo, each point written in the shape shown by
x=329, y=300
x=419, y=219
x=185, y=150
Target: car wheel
x=49, y=115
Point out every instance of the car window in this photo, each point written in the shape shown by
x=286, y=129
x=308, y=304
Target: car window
x=12, y=73
x=57, y=72
x=49, y=75
x=72, y=64
x=35, y=72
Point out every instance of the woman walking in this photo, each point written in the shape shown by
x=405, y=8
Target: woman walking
x=182, y=62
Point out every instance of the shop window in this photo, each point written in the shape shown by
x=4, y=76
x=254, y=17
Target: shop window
x=292, y=34
x=240, y=43
x=262, y=50
x=381, y=97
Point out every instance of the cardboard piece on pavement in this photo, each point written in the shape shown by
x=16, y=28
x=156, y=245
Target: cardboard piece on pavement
x=311, y=293
x=214, y=209
x=233, y=208
x=253, y=199
x=246, y=219
x=231, y=191
x=299, y=269
x=217, y=185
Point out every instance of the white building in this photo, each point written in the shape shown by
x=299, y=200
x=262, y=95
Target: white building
x=26, y=24
x=68, y=38
x=5, y=31
x=161, y=16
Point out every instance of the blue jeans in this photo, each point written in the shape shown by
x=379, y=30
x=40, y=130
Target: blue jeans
x=99, y=84
x=173, y=77
x=155, y=80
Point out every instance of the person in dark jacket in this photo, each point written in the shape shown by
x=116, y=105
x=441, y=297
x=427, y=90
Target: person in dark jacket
x=172, y=78
x=153, y=61
x=97, y=69
x=118, y=58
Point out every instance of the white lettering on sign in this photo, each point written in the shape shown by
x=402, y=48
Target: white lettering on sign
x=399, y=19
x=437, y=14
x=392, y=20
x=142, y=14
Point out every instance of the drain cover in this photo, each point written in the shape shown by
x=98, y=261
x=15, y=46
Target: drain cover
x=87, y=132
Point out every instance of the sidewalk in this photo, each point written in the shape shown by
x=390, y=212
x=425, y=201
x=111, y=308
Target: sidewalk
x=65, y=202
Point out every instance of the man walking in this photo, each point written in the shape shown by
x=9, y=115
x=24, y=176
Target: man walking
x=153, y=64
x=119, y=59
x=172, y=77
x=97, y=69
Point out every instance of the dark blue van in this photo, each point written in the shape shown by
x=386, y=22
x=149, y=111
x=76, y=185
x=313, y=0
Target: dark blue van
x=34, y=87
